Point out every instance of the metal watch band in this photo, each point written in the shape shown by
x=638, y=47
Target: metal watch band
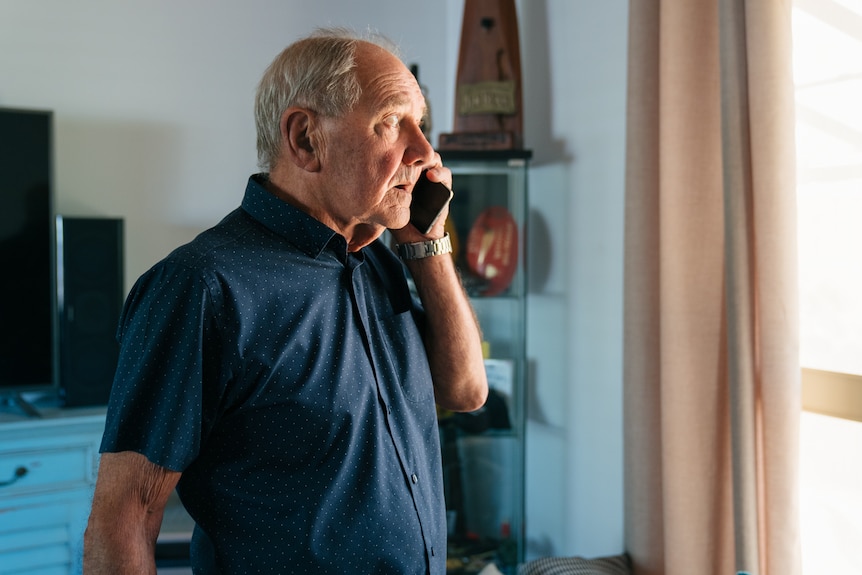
x=419, y=250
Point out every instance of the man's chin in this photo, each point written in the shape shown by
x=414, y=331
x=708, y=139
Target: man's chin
x=395, y=219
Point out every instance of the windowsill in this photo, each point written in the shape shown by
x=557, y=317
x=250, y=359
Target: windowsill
x=832, y=393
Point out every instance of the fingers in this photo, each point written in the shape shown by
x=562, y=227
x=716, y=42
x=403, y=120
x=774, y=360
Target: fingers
x=440, y=173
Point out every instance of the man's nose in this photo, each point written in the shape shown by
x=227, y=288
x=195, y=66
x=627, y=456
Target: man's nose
x=419, y=150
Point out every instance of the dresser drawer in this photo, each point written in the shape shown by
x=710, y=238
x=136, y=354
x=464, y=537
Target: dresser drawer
x=44, y=509
x=46, y=469
x=42, y=538
x=46, y=560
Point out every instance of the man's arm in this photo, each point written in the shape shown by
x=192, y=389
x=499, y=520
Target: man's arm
x=453, y=340
x=128, y=505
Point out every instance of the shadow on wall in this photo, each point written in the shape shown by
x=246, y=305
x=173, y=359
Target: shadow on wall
x=536, y=65
x=540, y=252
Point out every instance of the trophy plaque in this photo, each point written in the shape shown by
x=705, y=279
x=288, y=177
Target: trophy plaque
x=488, y=109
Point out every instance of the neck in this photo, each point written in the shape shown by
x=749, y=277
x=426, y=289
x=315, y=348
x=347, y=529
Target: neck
x=357, y=234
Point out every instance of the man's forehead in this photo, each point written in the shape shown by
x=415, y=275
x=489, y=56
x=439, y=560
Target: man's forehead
x=372, y=61
x=387, y=80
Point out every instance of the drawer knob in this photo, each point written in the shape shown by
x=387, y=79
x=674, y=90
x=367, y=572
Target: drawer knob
x=19, y=473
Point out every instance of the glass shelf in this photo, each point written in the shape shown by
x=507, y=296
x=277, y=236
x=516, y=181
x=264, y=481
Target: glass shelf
x=483, y=452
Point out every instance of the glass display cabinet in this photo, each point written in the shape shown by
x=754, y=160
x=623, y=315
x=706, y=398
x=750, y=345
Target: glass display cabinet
x=483, y=451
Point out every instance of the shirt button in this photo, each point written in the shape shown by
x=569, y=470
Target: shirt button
x=414, y=478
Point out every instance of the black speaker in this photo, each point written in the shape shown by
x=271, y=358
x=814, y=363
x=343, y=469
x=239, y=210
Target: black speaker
x=89, y=300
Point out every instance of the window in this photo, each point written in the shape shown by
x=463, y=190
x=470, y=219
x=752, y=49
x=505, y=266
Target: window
x=827, y=59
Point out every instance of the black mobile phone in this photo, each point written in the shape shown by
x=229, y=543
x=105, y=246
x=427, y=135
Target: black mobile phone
x=429, y=199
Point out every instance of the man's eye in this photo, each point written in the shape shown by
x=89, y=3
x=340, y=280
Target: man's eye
x=391, y=121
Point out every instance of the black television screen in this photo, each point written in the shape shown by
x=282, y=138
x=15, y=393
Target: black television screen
x=27, y=309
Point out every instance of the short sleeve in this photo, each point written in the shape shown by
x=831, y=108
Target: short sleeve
x=166, y=388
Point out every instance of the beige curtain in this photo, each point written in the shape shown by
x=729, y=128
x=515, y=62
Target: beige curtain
x=712, y=397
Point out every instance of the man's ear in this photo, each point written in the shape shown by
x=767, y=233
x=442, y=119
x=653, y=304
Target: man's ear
x=297, y=126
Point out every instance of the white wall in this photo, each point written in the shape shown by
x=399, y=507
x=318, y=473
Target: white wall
x=153, y=123
x=153, y=99
x=575, y=95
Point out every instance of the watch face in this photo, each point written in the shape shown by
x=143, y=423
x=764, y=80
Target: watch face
x=492, y=249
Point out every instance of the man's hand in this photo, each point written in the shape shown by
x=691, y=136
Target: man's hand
x=409, y=233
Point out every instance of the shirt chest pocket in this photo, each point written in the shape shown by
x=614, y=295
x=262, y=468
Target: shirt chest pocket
x=400, y=354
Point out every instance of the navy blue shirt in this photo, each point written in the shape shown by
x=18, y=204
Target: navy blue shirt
x=287, y=379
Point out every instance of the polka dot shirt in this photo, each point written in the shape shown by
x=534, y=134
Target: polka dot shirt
x=287, y=379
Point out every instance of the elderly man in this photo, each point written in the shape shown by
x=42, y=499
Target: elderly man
x=277, y=370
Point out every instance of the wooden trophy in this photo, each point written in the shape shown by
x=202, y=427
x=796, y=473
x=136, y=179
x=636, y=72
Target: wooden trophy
x=488, y=108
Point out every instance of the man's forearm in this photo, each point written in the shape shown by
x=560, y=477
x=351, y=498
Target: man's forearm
x=117, y=550
x=126, y=515
x=453, y=340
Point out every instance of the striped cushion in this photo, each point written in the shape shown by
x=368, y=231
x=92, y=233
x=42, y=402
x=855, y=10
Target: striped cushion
x=616, y=565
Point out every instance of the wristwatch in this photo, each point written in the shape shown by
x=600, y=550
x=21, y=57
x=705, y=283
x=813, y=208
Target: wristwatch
x=419, y=250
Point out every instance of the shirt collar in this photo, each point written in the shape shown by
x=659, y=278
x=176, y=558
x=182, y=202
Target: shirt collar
x=300, y=229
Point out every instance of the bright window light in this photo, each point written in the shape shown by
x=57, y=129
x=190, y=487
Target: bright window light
x=827, y=60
